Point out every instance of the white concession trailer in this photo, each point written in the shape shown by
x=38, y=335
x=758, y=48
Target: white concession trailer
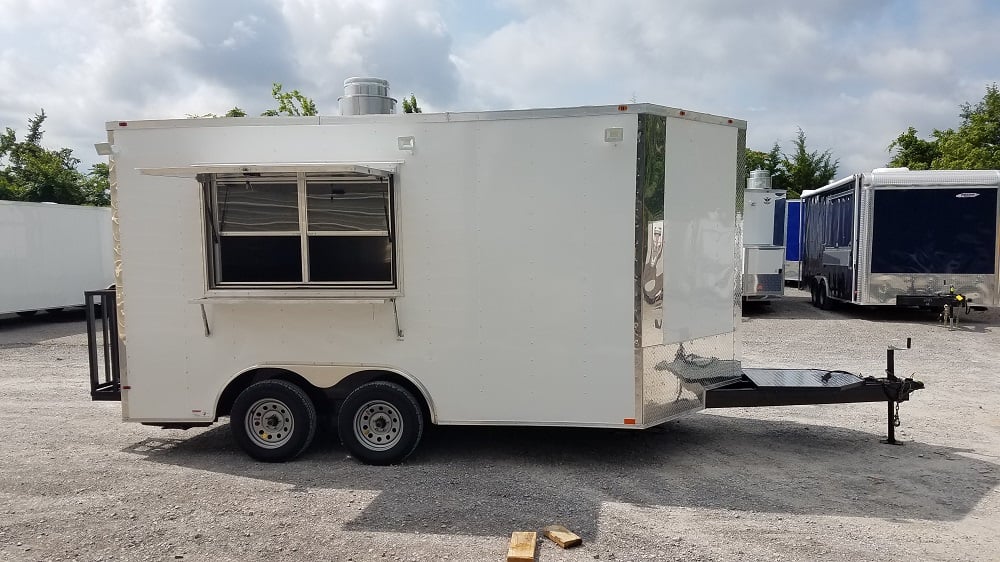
x=556, y=267
x=51, y=253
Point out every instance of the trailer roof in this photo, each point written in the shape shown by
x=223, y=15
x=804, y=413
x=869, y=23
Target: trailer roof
x=932, y=177
x=434, y=117
x=831, y=186
x=901, y=177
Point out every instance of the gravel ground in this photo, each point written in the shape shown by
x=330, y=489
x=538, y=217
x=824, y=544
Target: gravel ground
x=792, y=483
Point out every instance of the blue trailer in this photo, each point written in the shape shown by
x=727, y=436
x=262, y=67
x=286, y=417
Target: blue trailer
x=925, y=239
x=793, y=258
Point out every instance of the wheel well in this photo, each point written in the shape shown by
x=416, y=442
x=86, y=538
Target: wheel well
x=346, y=386
x=324, y=399
x=240, y=383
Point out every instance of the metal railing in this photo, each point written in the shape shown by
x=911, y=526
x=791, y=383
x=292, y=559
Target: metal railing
x=105, y=375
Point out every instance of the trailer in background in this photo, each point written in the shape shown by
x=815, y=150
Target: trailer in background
x=793, y=241
x=50, y=254
x=763, y=239
x=925, y=239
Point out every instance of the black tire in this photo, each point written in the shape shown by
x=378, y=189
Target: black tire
x=823, y=296
x=273, y=421
x=399, y=417
x=813, y=297
x=27, y=313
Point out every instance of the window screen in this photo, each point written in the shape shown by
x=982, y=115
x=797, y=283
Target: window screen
x=258, y=206
x=347, y=207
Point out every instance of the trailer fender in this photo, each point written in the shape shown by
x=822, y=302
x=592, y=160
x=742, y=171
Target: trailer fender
x=321, y=377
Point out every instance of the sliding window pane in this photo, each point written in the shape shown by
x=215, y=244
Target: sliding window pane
x=340, y=206
x=350, y=258
x=261, y=259
x=258, y=207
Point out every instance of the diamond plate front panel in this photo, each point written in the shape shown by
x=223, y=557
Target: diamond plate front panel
x=676, y=376
x=801, y=378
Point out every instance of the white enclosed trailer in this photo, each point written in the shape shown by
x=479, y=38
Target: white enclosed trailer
x=50, y=254
x=763, y=238
x=559, y=267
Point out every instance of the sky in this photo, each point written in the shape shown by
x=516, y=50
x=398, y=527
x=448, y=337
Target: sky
x=852, y=74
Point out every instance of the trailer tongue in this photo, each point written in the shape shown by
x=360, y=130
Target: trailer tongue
x=795, y=387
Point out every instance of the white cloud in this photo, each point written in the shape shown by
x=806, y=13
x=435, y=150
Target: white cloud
x=853, y=74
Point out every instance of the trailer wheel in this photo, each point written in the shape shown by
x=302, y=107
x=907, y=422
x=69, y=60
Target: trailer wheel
x=273, y=420
x=813, y=297
x=823, y=297
x=380, y=423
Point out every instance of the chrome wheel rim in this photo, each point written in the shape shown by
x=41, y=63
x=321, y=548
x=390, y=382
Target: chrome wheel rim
x=378, y=425
x=269, y=423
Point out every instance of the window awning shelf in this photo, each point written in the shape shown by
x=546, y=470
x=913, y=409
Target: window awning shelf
x=275, y=297
x=358, y=169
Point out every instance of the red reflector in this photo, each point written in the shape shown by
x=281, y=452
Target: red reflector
x=622, y=108
x=126, y=387
x=629, y=421
x=123, y=123
x=730, y=121
x=683, y=112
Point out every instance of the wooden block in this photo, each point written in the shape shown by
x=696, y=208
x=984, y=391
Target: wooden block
x=562, y=536
x=522, y=547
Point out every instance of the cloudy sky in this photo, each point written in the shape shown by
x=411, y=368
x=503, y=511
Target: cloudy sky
x=852, y=73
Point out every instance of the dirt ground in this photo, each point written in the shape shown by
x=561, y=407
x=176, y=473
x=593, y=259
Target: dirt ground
x=791, y=483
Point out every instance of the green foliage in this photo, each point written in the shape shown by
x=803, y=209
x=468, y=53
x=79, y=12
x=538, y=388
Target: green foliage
x=30, y=172
x=807, y=170
x=795, y=173
x=96, y=188
x=289, y=103
x=976, y=143
x=974, y=146
x=235, y=112
x=410, y=105
x=912, y=152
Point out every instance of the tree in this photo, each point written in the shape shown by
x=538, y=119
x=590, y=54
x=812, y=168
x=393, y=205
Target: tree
x=289, y=103
x=974, y=146
x=31, y=172
x=410, y=105
x=912, y=152
x=235, y=112
x=976, y=143
x=807, y=170
x=96, y=188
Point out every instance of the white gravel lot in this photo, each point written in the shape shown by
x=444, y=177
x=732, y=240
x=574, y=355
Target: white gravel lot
x=792, y=483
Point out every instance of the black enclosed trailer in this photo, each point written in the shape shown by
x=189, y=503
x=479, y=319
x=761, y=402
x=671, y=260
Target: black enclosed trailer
x=906, y=238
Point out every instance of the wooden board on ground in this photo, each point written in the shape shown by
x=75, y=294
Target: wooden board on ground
x=522, y=547
x=562, y=536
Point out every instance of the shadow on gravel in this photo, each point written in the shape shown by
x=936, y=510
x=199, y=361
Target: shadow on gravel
x=490, y=481
x=797, y=307
x=17, y=331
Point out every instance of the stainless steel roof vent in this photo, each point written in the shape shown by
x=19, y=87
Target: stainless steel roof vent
x=759, y=179
x=364, y=96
